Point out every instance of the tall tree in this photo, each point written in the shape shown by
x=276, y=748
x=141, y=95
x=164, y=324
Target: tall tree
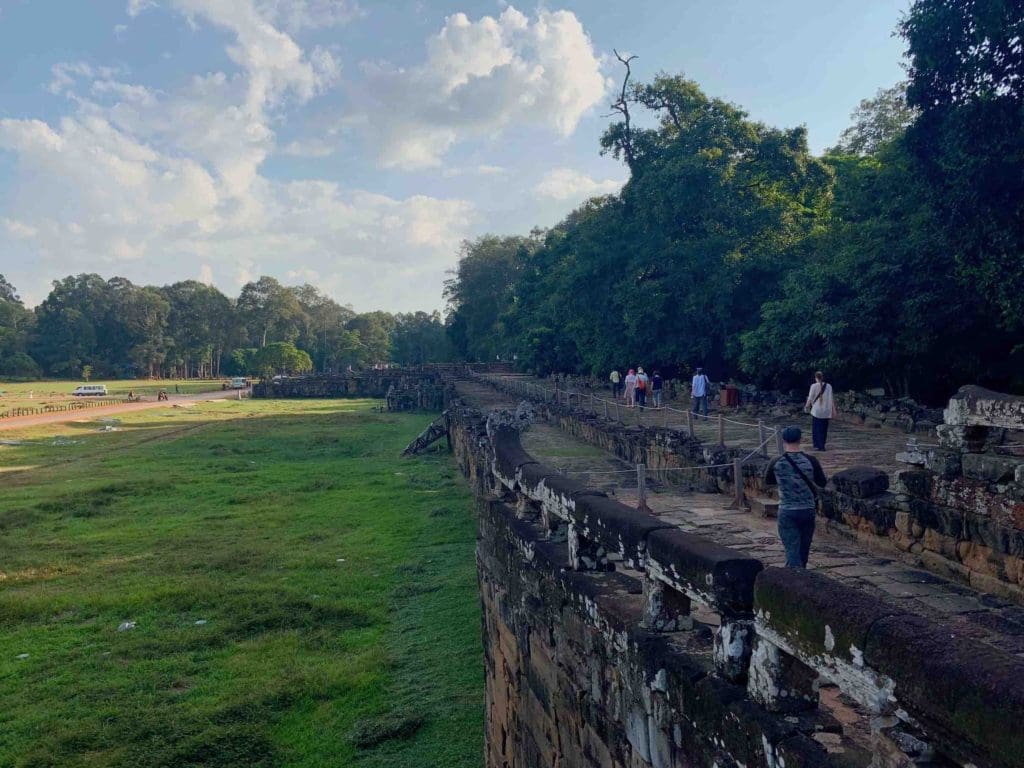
x=270, y=311
x=876, y=122
x=15, y=327
x=966, y=76
x=480, y=290
x=419, y=338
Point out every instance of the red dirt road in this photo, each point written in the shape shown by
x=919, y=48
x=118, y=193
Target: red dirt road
x=20, y=422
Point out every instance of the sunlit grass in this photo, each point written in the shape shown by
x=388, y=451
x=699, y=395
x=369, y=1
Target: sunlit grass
x=29, y=394
x=301, y=595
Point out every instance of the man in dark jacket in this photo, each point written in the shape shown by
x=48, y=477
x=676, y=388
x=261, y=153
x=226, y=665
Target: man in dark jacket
x=799, y=478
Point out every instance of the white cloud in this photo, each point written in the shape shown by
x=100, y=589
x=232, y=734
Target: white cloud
x=19, y=229
x=297, y=15
x=478, y=78
x=135, y=7
x=568, y=184
x=276, y=66
x=162, y=186
x=308, y=148
x=479, y=170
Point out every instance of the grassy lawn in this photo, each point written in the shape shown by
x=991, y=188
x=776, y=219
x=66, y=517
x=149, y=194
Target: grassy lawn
x=301, y=596
x=14, y=394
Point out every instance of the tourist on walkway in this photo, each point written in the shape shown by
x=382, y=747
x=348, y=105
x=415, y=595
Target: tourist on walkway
x=699, y=391
x=822, y=408
x=643, y=384
x=799, y=478
x=616, y=381
x=630, y=388
x=656, y=385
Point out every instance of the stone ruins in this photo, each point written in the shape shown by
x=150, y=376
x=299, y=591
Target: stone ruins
x=612, y=638
x=616, y=636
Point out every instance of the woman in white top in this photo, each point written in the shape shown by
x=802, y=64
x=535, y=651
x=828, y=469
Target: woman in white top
x=631, y=388
x=822, y=409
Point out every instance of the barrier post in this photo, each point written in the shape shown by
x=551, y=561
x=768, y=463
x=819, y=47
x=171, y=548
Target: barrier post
x=778, y=441
x=641, y=488
x=737, y=480
x=689, y=422
x=721, y=429
x=761, y=439
x=605, y=408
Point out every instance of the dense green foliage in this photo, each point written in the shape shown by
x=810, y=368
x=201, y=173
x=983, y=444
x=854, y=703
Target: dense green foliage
x=91, y=326
x=298, y=598
x=895, y=259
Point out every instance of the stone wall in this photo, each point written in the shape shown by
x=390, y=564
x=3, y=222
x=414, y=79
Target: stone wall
x=613, y=639
x=961, y=514
x=960, y=507
x=403, y=389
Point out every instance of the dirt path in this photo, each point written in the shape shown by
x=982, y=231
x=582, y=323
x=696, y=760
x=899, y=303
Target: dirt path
x=89, y=414
x=878, y=571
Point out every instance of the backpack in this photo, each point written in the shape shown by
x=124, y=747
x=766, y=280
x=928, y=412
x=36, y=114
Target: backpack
x=640, y=383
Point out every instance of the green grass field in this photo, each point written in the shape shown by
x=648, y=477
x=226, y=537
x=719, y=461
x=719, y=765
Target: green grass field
x=18, y=394
x=301, y=595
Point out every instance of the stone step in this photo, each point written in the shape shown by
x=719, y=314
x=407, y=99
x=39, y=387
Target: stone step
x=764, y=507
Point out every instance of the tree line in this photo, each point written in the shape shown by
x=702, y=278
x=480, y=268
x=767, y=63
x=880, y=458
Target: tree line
x=113, y=328
x=896, y=258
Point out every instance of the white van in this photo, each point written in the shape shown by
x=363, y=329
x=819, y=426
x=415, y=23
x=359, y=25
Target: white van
x=90, y=390
x=239, y=382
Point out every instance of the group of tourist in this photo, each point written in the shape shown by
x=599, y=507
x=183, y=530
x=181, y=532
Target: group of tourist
x=798, y=476
x=636, y=386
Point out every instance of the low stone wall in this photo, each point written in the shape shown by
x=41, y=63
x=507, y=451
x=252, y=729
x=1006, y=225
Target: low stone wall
x=961, y=515
x=960, y=508
x=614, y=639
x=402, y=389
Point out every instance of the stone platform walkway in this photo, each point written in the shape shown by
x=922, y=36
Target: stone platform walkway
x=848, y=445
x=881, y=572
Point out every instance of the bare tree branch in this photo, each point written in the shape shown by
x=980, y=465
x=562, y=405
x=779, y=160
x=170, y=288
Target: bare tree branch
x=621, y=105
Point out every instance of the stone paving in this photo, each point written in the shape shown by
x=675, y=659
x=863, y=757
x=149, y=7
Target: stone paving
x=881, y=571
x=848, y=445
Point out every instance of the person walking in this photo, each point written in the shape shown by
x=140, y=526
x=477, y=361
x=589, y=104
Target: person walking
x=799, y=478
x=643, y=384
x=616, y=381
x=699, y=391
x=630, y=394
x=656, y=385
x=822, y=409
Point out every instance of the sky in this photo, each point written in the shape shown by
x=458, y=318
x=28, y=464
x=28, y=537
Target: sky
x=354, y=144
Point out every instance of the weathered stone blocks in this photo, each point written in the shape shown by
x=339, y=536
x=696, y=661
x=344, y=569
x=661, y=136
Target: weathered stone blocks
x=977, y=406
x=861, y=482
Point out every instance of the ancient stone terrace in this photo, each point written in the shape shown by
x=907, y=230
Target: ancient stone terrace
x=618, y=637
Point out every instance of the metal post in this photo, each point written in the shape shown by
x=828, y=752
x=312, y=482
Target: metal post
x=778, y=441
x=605, y=408
x=689, y=422
x=737, y=480
x=721, y=429
x=762, y=440
x=641, y=488
x=617, y=417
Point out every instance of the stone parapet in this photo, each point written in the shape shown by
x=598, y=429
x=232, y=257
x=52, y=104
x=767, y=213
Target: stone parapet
x=596, y=654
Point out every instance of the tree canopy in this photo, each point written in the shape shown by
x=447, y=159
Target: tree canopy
x=895, y=259
x=91, y=326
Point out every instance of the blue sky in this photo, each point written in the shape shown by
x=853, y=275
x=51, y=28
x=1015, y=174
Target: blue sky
x=354, y=145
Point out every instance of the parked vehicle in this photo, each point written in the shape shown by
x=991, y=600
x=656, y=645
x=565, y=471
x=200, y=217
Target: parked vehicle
x=90, y=390
x=239, y=382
